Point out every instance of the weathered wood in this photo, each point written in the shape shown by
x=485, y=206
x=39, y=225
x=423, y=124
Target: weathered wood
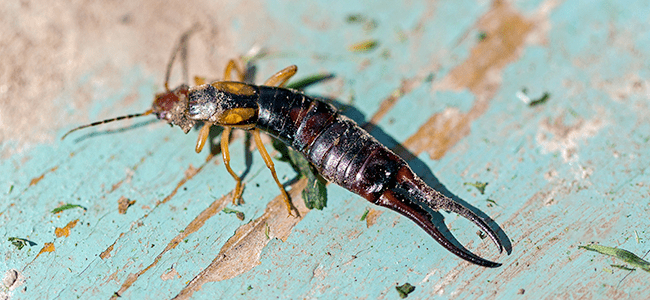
x=447, y=85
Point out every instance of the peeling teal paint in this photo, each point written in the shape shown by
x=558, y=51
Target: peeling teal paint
x=592, y=62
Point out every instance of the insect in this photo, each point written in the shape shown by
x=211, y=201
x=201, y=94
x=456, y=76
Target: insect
x=340, y=150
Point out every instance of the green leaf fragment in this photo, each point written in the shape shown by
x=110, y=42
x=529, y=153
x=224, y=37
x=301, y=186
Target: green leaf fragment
x=20, y=243
x=66, y=207
x=621, y=254
x=239, y=214
x=365, y=214
x=315, y=193
x=309, y=80
x=622, y=267
x=404, y=290
x=480, y=186
x=540, y=100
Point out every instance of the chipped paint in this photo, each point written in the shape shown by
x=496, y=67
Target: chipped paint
x=105, y=60
x=506, y=31
x=556, y=136
x=371, y=218
x=170, y=274
x=123, y=204
x=47, y=247
x=36, y=180
x=242, y=251
x=65, y=231
x=192, y=227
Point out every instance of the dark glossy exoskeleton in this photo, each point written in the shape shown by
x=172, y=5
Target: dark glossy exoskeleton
x=338, y=148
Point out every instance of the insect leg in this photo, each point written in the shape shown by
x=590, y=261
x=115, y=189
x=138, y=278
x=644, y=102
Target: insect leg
x=269, y=164
x=225, y=153
x=279, y=79
x=203, y=136
x=230, y=67
x=199, y=80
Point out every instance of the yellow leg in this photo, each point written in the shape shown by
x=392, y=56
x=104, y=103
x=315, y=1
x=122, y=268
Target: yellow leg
x=279, y=79
x=269, y=164
x=203, y=136
x=199, y=80
x=225, y=152
x=229, y=68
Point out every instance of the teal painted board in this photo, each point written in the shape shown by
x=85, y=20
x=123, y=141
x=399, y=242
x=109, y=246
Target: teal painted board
x=449, y=86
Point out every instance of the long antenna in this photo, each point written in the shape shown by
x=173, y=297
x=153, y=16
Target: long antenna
x=148, y=112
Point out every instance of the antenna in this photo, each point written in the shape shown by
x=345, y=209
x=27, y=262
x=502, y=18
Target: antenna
x=148, y=112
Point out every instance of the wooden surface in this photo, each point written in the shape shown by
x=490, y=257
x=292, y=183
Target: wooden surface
x=445, y=87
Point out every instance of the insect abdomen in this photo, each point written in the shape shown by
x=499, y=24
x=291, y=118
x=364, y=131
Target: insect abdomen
x=340, y=150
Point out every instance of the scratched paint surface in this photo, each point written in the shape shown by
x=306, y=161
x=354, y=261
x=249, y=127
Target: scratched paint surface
x=443, y=87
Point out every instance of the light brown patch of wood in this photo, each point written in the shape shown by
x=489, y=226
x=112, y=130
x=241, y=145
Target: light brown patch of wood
x=65, y=231
x=123, y=204
x=47, y=247
x=195, y=225
x=35, y=180
x=371, y=217
x=242, y=251
x=506, y=31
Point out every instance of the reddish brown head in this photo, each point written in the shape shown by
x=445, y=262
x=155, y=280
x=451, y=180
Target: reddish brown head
x=171, y=106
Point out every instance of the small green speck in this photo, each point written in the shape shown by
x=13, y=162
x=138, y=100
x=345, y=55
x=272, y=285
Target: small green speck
x=482, y=36
x=365, y=214
x=355, y=18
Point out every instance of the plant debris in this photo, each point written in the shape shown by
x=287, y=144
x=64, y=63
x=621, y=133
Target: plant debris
x=365, y=214
x=20, y=243
x=239, y=214
x=66, y=207
x=314, y=194
x=309, y=80
x=404, y=290
x=480, y=186
x=364, y=46
x=621, y=254
x=522, y=95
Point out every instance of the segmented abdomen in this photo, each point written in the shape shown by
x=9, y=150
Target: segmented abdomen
x=342, y=151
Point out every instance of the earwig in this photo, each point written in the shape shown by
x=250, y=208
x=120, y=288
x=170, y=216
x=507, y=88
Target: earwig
x=340, y=150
